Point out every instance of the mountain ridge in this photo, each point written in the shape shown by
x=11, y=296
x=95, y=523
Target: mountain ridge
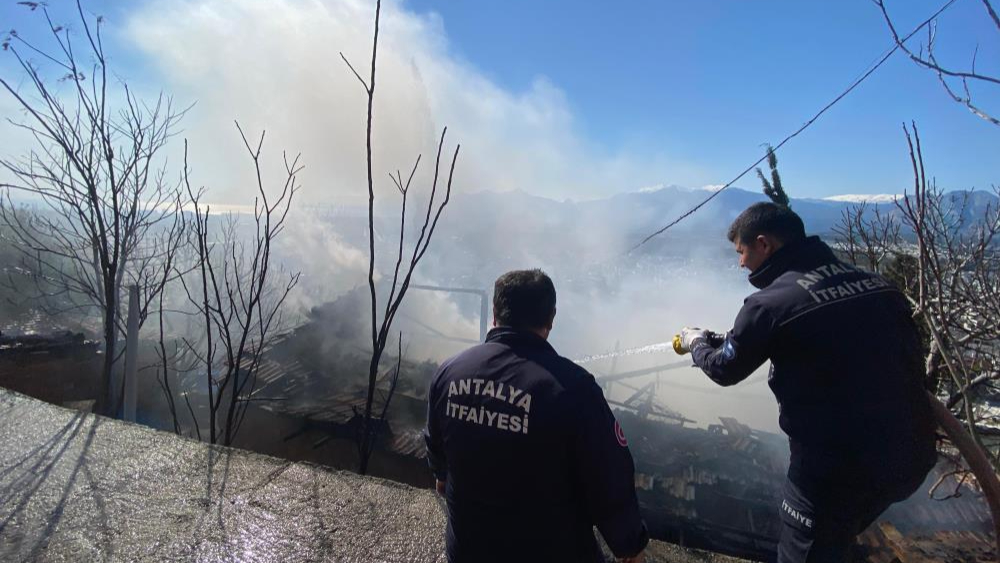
x=645, y=211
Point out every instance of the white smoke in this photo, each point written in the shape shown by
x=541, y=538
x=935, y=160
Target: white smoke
x=649, y=308
x=328, y=264
x=275, y=65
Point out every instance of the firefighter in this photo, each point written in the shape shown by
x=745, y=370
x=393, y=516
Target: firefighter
x=847, y=374
x=524, y=447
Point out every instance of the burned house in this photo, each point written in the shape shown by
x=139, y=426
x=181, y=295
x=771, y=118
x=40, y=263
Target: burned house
x=310, y=393
x=58, y=367
x=716, y=488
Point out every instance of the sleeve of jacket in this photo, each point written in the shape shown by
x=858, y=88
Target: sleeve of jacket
x=744, y=349
x=432, y=435
x=607, y=474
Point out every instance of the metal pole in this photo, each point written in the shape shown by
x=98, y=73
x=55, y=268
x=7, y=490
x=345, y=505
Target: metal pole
x=483, y=315
x=484, y=298
x=131, y=354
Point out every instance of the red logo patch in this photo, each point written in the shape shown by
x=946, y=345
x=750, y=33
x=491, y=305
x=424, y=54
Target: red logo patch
x=620, y=435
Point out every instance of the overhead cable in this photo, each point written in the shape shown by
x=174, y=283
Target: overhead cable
x=804, y=126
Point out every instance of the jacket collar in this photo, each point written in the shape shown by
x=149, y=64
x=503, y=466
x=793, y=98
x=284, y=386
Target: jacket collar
x=806, y=253
x=518, y=338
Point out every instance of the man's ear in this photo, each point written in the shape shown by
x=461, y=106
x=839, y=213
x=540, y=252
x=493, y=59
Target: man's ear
x=767, y=244
x=552, y=319
x=494, y=317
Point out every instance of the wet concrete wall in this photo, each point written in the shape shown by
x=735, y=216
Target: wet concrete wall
x=78, y=487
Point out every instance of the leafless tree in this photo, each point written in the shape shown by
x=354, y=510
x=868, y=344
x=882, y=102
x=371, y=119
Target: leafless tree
x=955, y=82
x=958, y=292
x=867, y=236
x=402, y=273
x=956, y=299
x=164, y=367
x=104, y=218
x=377, y=420
x=237, y=292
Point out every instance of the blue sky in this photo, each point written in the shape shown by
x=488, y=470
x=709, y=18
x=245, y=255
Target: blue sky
x=712, y=80
x=569, y=99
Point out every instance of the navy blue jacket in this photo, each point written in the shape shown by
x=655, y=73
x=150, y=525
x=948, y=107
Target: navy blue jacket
x=846, y=365
x=532, y=456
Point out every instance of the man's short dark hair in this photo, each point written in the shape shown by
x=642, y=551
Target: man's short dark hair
x=524, y=299
x=766, y=218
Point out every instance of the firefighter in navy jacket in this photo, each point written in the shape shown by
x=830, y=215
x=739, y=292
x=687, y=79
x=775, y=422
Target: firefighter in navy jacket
x=524, y=447
x=846, y=370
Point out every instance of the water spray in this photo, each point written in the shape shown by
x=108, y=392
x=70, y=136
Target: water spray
x=648, y=349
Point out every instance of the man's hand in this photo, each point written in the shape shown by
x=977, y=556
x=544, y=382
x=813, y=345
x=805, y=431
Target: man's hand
x=638, y=558
x=439, y=486
x=690, y=334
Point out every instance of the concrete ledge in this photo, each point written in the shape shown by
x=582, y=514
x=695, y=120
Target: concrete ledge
x=79, y=487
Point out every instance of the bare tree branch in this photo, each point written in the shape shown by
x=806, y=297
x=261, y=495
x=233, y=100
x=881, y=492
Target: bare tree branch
x=955, y=295
x=927, y=59
x=237, y=297
x=380, y=328
x=107, y=218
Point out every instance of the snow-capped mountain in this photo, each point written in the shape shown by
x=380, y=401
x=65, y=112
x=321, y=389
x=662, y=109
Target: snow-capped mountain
x=624, y=219
x=864, y=198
